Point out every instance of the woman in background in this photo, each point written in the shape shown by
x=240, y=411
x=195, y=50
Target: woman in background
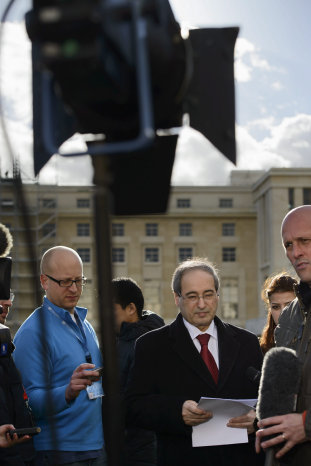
x=277, y=293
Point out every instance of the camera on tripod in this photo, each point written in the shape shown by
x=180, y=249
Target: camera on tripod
x=6, y=243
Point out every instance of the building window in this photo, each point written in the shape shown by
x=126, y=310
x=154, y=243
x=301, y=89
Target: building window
x=228, y=254
x=152, y=255
x=291, y=198
x=83, y=229
x=7, y=203
x=228, y=229
x=229, y=298
x=82, y=203
x=85, y=254
x=118, y=255
x=151, y=229
x=49, y=203
x=49, y=229
x=225, y=202
x=185, y=229
x=118, y=229
x=306, y=192
x=183, y=203
x=184, y=254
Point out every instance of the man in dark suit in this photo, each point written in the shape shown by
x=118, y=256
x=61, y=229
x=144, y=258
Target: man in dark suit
x=170, y=376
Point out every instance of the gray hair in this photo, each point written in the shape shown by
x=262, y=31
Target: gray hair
x=195, y=263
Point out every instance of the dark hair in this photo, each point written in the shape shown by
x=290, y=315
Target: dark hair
x=125, y=291
x=193, y=264
x=279, y=283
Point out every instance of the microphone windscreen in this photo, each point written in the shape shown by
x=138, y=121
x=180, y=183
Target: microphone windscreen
x=279, y=383
x=6, y=241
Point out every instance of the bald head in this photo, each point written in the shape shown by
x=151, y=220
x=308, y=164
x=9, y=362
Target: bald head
x=301, y=212
x=296, y=236
x=56, y=255
x=62, y=264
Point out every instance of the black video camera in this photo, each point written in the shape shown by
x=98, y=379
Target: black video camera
x=6, y=243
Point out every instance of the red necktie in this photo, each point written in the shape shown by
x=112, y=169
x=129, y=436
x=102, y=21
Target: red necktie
x=207, y=356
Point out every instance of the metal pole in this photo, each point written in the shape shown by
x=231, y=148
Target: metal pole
x=113, y=418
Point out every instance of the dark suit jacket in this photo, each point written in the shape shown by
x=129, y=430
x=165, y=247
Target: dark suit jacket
x=169, y=370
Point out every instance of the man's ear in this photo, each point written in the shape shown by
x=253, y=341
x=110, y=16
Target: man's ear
x=131, y=309
x=44, y=281
x=176, y=298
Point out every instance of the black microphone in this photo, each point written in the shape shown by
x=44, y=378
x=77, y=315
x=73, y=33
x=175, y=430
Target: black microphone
x=6, y=243
x=278, y=388
x=253, y=375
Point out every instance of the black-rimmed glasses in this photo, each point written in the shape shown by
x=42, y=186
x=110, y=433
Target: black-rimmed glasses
x=67, y=283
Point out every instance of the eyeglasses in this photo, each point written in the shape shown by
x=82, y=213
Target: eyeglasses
x=68, y=282
x=195, y=298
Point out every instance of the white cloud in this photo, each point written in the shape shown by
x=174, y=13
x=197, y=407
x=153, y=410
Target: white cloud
x=256, y=155
x=261, y=123
x=242, y=70
x=68, y=170
x=259, y=62
x=288, y=145
x=292, y=140
x=198, y=162
x=248, y=58
x=277, y=85
x=15, y=79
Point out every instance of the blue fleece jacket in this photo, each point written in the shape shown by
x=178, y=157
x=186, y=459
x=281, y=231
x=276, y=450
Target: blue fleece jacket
x=78, y=424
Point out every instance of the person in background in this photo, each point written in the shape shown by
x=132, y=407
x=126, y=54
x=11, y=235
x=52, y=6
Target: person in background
x=291, y=433
x=6, y=441
x=132, y=322
x=64, y=389
x=277, y=293
x=5, y=305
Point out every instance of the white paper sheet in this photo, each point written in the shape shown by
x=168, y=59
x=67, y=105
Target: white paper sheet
x=215, y=431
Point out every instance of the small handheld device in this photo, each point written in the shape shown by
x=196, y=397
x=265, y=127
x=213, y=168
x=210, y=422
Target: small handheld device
x=98, y=369
x=25, y=431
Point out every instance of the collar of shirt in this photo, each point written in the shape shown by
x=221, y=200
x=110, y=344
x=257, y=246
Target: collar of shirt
x=213, y=342
x=81, y=311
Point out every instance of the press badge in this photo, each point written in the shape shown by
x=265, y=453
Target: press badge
x=95, y=390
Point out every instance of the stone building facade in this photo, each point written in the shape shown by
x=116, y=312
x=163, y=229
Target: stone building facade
x=236, y=226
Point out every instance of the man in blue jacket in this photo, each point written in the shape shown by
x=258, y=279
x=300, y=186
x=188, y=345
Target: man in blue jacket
x=56, y=353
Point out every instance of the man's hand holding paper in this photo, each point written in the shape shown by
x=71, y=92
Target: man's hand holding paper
x=193, y=415
x=246, y=421
x=230, y=422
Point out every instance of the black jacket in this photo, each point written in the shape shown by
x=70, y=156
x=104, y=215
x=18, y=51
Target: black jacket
x=168, y=370
x=129, y=333
x=294, y=331
x=140, y=444
x=13, y=405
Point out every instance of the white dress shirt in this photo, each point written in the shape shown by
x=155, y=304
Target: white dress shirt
x=213, y=341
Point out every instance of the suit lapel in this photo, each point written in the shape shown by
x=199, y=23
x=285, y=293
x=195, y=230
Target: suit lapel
x=183, y=345
x=228, y=348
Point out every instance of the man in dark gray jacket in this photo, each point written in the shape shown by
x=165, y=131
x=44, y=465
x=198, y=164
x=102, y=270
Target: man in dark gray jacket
x=293, y=430
x=132, y=322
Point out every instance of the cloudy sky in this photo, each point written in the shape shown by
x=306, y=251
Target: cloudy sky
x=273, y=75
